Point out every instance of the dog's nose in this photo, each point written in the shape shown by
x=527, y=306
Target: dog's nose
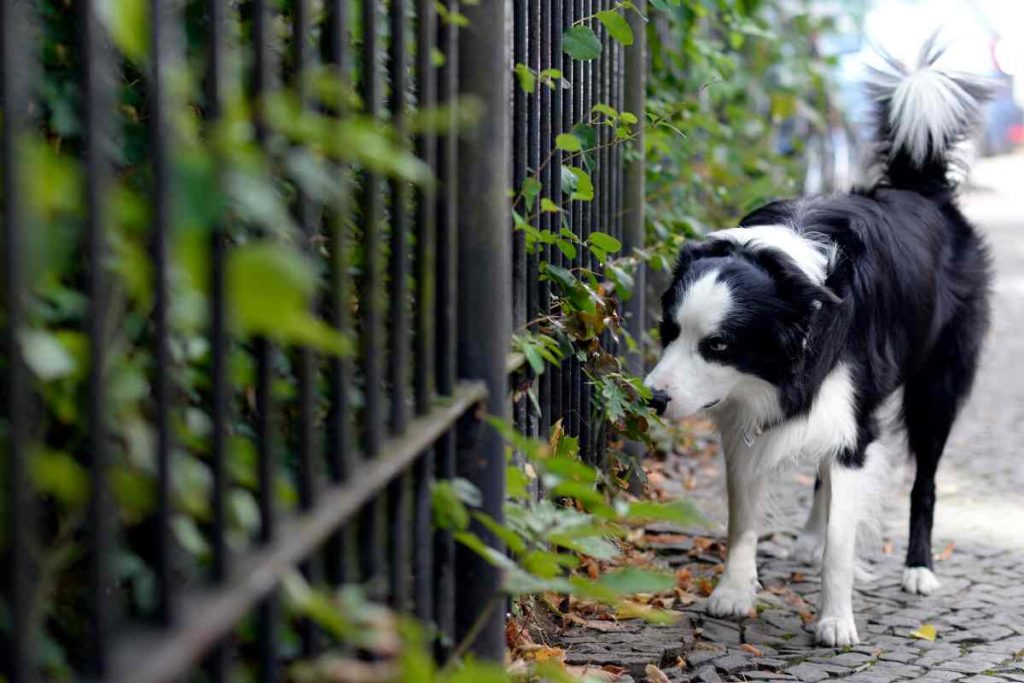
x=659, y=401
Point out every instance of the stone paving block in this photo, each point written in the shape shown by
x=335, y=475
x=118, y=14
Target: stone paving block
x=808, y=672
x=708, y=674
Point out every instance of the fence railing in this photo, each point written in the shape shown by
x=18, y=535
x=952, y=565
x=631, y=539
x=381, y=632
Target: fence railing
x=440, y=282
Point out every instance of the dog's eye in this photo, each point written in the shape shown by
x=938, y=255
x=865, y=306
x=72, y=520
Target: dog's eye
x=717, y=344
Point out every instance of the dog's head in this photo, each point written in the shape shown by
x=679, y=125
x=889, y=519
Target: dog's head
x=735, y=317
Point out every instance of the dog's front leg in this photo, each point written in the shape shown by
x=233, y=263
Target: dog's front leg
x=845, y=495
x=734, y=594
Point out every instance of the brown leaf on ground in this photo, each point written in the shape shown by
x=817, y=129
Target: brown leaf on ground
x=681, y=662
x=663, y=539
x=543, y=653
x=590, y=565
x=603, y=626
x=591, y=673
x=797, y=577
x=685, y=598
x=616, y=669
x=747, y=647
x=702, y=543
x=684, y=577
x=655, y=675
x=947, y=552
x=705, y=586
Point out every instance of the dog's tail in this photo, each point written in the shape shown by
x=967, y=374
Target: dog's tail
x=921, y=117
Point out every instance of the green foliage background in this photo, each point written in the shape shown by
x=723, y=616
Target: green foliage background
x=724, y=74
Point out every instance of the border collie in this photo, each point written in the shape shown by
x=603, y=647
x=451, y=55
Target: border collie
x=798, y=330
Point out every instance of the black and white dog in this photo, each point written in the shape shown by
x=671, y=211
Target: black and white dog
x=798, y=330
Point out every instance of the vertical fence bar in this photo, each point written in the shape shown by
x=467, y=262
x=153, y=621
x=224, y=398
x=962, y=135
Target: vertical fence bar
x=398, y=356
x=575, y=67
x=424, y=341
x=267, y=631
x=534, y=156
x=566, y=64
x=485, y=306
x=520, y=104
x=162, y=53
x=586, y=218
x=545, y=252
x=634, y=95
x=217, y=662
x=447, y=293
x=306, y=364
x=371, y=305
x=96, y=78
x=19, y=648
x=554, y=189
x=339, y=428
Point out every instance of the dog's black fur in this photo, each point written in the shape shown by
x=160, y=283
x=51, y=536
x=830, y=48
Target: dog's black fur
x=904, y=303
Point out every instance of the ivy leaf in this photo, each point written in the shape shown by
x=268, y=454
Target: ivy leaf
x=527, y=79
x=618, y=27
x=680, y=512
x=584, y=190
x=580, y=42
x=45, y=355
x=531, y=188
x=567, y=248
x=548, y=206
x=632, y=580
x=605, y=242
x=567, y=142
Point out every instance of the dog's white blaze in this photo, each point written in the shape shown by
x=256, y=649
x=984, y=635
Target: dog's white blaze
x=689, y=379
x=811, y=256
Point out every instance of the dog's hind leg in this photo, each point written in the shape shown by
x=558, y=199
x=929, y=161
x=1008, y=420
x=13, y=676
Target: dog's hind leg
x=810, y=543
x=932, y=399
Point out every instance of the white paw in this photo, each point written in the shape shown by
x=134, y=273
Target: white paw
x=836, y=631
x=808, y=549
x=732, y=599
x=919, y=580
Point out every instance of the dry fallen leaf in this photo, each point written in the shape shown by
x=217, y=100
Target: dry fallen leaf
x=924, y=632
x=655, y=675
x=705, y=586
x=751, y=649
x=591, y=673
x=947, y=552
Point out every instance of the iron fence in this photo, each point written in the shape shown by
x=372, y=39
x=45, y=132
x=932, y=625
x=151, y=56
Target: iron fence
x=367, y=435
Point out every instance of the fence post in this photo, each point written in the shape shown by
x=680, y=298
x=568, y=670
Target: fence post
x=634, y=200
x=485, y=304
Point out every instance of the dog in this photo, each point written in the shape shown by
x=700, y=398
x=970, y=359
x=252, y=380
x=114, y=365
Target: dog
x=796, y=331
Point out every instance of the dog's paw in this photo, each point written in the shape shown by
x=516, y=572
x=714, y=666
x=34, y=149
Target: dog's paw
x=808, y=549
x=836, y=631
x=919, y=580
x=732, y=599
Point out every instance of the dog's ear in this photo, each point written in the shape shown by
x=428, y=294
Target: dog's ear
x=793, y=283
x=694, y=251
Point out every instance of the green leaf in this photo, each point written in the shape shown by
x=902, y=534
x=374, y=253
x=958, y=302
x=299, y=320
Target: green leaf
x=680, y=512
x=617, y=26
x=57, y=474
x=128, y=24
x=531, y=188
x=548, y=206
x=632, y=580
x=45, y=355
x=567, y=248
x=584, y=190
x=567, y=142
x=527, y=79
x=271, y=287
x=605, y=242
x=580, y=42
x=449, y=511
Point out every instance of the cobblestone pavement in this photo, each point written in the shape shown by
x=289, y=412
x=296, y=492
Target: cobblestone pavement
x=978, y=614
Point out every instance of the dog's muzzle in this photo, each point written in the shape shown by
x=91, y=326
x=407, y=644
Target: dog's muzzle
x=659, y=401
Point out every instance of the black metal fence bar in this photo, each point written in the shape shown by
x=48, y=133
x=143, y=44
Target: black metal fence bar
x=206, y=615
x=97, y=77
x=425, y=275
x=485, y=307
x=19, y=647
x=418, y=276
x=446, y=317
x=633, y=198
